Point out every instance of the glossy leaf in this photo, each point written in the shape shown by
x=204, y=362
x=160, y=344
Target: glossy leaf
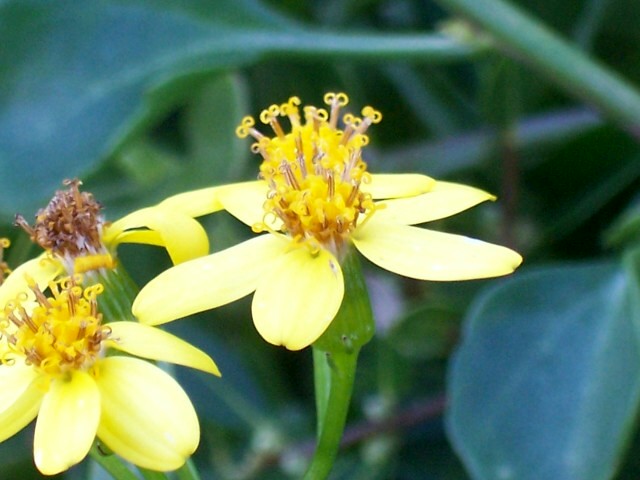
x=75, y=91
x=546, y=383
x=91, y=78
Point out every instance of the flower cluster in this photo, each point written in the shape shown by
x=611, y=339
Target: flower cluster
x=84, y=373
x=59, y=357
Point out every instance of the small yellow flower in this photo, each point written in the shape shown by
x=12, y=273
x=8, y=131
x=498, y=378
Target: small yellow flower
x=57, y=363
x=316, y=199
x=76, y=238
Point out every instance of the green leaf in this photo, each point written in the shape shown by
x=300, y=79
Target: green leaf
x=80, y=79
x=546, y=383
x=217, y=155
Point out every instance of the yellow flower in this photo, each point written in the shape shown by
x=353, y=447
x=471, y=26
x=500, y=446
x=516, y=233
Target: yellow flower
x=57, y=363
x=77, y=239
x=316, y=199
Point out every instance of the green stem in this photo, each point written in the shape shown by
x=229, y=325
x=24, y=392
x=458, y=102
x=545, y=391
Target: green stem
x=530, y=41
x=341, y=373
x=188, y=471
x=112, y=464
x=152, y=474
x=362, y=46
x=322, y=384
x=335, y=357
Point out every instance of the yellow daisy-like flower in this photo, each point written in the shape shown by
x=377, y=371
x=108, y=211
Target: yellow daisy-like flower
x=316, y=199
x=77, y=239
x=56, y=363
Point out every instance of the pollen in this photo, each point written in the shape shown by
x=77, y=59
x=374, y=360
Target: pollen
x=56, y=333
x=315, y=169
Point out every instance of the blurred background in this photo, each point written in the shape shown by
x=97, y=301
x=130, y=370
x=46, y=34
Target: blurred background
x=535, y=376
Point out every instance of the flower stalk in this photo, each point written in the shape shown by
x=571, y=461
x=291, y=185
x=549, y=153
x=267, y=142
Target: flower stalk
x=335, y=357
x=112, y=464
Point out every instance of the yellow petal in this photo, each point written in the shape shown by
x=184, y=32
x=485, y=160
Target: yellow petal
x=18, y=412
x=397, y=185
x=444, y=200
x=67, y=423
x=183, y=237
x=245, y=202
x=41, y=269
x=15, y=379
x=146, y=237
x=427, y=255
x=149, y=342
x=194, y=203
x=295, y=303
x=146, y=416
x=207, y=282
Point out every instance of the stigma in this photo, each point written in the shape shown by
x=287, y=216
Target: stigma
x=315, y=170
x=56, y=333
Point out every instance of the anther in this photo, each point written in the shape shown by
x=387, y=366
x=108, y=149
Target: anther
x=270, y=117
x=290, y=109
x=300, y=155
x=335, y=101
x=355, y=190
x=331, y=190
x=15, y=320
x=40, y=297
x=290, y=177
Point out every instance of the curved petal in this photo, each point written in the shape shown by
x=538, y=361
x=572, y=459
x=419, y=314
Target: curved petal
x=245, y=202
x=397, y=185
x=194, y=203
x=146, y=237
x=297, y=301
x=41, y=269
x=182, y=236
x=149, y=342
x=15, y=379
x=207, y=282
x=427, y=255
x=18, y=414
x=70, y=410
x=146, y=416
x=444, y=200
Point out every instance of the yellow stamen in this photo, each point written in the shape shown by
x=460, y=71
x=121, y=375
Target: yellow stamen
x=315, y=170
x=58, y=333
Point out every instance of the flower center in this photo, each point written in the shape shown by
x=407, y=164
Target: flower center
x=58, y=333
x=315, y=171
x=70, y=227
